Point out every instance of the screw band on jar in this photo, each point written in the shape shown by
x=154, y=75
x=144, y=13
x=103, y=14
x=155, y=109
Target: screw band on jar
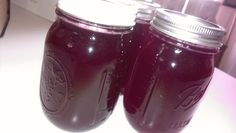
x=188, y=28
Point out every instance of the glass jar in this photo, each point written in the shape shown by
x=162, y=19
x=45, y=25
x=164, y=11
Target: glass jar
x=145, y=13
x=172, y=72
x=84, y=62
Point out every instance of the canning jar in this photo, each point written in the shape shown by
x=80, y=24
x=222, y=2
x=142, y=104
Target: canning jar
x=144, y=15
x=171, y=74
x=140, y=34
x=84, y=62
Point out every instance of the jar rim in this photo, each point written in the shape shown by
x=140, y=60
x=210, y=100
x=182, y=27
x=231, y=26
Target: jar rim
x=188, y=28
x=90, y=25
x=100, y=12
x=184, y=44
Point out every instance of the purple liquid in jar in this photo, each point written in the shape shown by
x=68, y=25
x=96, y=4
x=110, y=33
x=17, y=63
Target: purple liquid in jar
x=169, y=78
x=140, y=37
x=145, y=14
x=82, y=72
x=140, y=34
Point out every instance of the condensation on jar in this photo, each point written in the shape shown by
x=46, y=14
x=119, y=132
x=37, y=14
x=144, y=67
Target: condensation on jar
x=172, y=73
x=84, y=62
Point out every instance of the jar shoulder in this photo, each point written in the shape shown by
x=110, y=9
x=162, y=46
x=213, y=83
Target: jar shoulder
x=86, y=45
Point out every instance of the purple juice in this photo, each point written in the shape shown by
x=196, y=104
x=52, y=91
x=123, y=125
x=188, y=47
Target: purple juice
x=170, y=75
x=82, y=72
x=140, y=32
x=166, y=84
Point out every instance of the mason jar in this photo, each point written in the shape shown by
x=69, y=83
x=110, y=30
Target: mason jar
x=140, y=34
x=171, y=74
x=84, y=62
x=145, y=14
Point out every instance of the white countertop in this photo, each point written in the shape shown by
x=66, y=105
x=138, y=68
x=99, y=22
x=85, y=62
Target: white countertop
x=21, y=52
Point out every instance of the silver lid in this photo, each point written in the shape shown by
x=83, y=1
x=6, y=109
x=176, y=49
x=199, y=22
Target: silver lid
x=188, y=28
x=146, y=9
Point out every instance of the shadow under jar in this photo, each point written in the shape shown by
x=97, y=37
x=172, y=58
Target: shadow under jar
x=172, y=72
x=83, y=63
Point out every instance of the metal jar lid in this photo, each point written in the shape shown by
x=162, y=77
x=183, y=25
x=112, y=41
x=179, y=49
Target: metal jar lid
x=188, y=28
x=146, y=9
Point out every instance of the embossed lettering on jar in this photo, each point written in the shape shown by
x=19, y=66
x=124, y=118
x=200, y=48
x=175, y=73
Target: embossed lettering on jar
x=172, y=72
x=84, y=63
